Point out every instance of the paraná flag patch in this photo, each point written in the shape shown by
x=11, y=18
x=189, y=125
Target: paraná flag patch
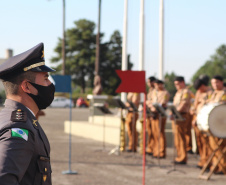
x=19, y=132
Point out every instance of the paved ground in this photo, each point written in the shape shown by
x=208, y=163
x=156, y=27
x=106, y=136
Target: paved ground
x=96, y=167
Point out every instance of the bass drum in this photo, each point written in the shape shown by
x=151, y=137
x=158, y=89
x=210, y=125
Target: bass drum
x=217, y=121
x=203, y=116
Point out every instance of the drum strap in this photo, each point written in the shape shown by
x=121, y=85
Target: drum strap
x=220, y=96
x=181, y=95
x=156, y=96
x=214, y=95
x=206, y=98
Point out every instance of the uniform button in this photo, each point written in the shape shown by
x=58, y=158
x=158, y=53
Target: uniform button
x=45, y=169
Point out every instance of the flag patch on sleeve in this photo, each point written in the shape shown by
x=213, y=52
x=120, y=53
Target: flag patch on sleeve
x=19, y=132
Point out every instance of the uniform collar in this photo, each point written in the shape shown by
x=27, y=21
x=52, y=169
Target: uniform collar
x=182, y=89
x=31, y=111
x=220, y=90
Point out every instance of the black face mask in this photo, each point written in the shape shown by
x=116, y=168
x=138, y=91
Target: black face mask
x=45, y=95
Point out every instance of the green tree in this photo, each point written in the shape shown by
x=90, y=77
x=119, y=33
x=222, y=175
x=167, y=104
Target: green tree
x=169, y=84
x=215, y=66
x=80, y=52
x=110, y=60
x=80, y=57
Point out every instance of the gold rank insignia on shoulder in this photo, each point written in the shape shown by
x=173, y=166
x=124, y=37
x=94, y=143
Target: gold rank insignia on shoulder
x=19, y=116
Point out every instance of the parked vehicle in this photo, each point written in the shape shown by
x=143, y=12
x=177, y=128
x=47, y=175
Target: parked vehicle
x=81, y=103
x=61, y=102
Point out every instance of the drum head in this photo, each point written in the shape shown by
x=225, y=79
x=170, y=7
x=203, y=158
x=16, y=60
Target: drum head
x=217, y=121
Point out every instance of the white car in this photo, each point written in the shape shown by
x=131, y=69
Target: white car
x=61, y=102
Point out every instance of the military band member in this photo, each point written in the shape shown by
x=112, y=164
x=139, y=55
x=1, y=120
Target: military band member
x=201, y=97
x=131, y=120
x=24, y=147
x=159, y=96
x=218, y=96
x=182, y=102
x=150, y=141
x=188, y=135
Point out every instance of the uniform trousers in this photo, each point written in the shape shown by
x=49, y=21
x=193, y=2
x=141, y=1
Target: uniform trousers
x=150, y=142
x=179, y=129
x=188, y=133
x=159, y=147
x=212, y=141
x=202, y=145
x=131, y=120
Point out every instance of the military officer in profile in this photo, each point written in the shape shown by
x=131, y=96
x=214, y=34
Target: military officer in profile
x=25, y=149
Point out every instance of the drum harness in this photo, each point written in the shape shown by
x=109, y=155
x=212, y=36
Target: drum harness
x=220, y=97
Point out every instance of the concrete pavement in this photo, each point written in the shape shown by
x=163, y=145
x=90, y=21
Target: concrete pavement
x=96, y=167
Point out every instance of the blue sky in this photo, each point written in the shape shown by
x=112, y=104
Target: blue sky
x=194, y=29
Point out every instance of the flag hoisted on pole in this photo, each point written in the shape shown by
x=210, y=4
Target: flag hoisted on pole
x=134, y=81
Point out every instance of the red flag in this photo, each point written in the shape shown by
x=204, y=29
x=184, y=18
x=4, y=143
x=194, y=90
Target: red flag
x=131, y=81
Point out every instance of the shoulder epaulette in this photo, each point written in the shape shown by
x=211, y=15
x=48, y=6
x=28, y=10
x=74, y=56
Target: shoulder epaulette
x=19, y=116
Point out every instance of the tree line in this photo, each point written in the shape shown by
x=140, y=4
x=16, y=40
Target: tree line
x=80, y=51
x=80, y=47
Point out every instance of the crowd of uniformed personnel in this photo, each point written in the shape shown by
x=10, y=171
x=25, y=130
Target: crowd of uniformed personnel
x=188, y=105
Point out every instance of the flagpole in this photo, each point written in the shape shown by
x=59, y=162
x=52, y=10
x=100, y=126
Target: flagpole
x=69, y=161
x=124, y=45
x=63, y=41
x=161, y=39
x=141, y=36
x=141, y=41
x=141, y=68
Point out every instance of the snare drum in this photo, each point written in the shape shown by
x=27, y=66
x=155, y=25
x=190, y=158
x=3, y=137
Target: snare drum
x=203, y=116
